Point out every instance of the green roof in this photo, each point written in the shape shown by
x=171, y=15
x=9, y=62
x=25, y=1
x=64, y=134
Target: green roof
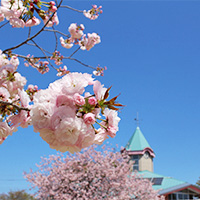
x=167, y=182
x=137, y=142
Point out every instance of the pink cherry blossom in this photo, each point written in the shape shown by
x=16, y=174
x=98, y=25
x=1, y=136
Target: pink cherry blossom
x=14, y=61
x=93, y=13
x=62, y=71
x=111, y=131
x=4, y=94
x=99, y=90
x=5, y=130
x=89, y=41
x=52, y=4
x=11, y=65
x=66, y=43
x=89, y=15
x=92, y=101
x=89, y=118
x=64, y=114
x=1, y=16
x=53, y=21
x=91, y=174
x=76, y=31
x=32, y=22
x=78, y=99
x=64, y=100
x=100, y=136
x=6, y=12
x=17, y=23
x=112, y=118
x=40, y=115
x=76, y=83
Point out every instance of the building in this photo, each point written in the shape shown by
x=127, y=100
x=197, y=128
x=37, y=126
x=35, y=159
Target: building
x=142, y=154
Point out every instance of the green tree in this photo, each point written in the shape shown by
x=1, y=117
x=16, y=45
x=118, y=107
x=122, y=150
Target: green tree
x=198, y=182
x=17, y=195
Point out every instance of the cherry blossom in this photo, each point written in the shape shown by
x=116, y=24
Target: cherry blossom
x=32, y=22
x=66, y=116
x=5, y=130
x=66, y=43
x=89, y=41
x=93, y=13
x=91, y=174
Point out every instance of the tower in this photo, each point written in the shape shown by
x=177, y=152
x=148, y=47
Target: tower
x=140, y=152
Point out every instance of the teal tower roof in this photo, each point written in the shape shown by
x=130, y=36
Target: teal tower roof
x=137, y=142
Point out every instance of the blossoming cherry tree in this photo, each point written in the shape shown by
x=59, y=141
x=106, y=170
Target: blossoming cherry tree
x=66, y=115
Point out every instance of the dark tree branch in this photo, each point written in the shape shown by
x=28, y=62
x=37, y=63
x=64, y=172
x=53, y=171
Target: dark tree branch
x=31, y=38
x=4, y=24
x=80, y=11
x=40, y=47
x=57, y=32
x=74, y=52
x=15, y=106
x=56, y=46
x=43, y=53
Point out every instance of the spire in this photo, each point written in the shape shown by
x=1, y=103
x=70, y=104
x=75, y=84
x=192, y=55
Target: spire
x=137, y=142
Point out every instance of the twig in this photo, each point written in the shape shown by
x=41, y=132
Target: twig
x=74, y=52
x=56, y=40
x=57, y=32
x=29, y=32
x=80, y=11
x=44, y=54
x=28, y=39
x=4, y=24
x=80, y=62
x=40, y=47
x=15, y=106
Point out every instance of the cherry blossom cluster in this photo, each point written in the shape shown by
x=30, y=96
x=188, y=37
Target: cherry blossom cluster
x=57, y=57
x=41, y=66
x=62, y=71
x=21, y=13
x=12, y=97
x=65, y=115
x=93, y=13
x=32, y=89
x=86, y=42
x=90, y=175
x=99, y=71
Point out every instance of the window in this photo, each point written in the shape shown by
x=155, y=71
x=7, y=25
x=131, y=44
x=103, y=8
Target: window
x=157, y=181
x=182, y=195
x=135, y=158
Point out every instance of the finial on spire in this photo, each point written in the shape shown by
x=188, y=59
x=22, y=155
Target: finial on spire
x=137, y=120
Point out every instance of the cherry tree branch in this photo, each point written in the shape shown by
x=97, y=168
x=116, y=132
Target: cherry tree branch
x=4, y=24
x=80, y=62
x=28, y=39
x=14, y=105
x=40, y=47
x=80, y=11
x=43, y=53
x=48, y=57
x=56, y=38
x=74, y=52
x=29, y=32
x=66, y=35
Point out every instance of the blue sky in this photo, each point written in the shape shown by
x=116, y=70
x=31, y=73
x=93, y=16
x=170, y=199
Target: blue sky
x=152, y=51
